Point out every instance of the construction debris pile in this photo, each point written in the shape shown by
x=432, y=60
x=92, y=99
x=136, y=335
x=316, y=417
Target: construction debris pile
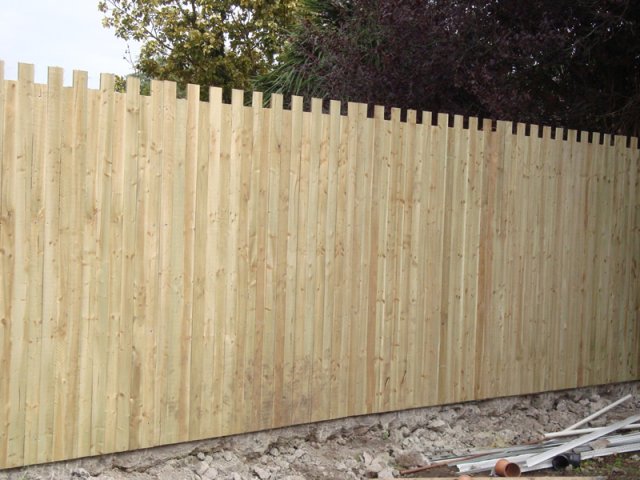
x=381, y=445
x=557, y=450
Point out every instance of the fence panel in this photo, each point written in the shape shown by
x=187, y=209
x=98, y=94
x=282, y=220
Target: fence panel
x=172, y=269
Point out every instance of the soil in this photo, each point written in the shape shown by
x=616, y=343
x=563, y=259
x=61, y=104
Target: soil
x=371, y=446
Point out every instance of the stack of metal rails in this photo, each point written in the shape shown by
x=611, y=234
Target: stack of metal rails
x=556, y=450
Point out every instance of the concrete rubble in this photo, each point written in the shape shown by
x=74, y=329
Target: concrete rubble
x=371, y=446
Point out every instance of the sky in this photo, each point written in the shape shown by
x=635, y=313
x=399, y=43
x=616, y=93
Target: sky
x=60, y=33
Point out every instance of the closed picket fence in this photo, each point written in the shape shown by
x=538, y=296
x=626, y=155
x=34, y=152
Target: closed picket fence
x=172, y=269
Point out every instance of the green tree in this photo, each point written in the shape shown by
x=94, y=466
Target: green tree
x=574, y=63
x=208, y=42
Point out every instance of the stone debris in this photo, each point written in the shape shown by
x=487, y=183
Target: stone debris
x=372, y=446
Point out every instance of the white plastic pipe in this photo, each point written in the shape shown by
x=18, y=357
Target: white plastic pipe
x=549, y=454
x=582, y=431
x=598, y=413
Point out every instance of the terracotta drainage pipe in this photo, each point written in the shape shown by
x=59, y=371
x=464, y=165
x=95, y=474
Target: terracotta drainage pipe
x=505, y=468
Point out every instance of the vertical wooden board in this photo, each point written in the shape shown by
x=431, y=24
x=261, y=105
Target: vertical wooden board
x=272, y=323
x=257, y=253
x=570, y=263
x=398, y=199
x=30, y=273
x=471, y=250
x=604, y=265
x=369, y=237
x=493, y=293
x=509, y=264
x=437, y=162
x=264, y=342
x=36, y=247
x=547, y=163
x=244, y=330
x=150, y=412
x=129, y=178
x=416, y=324
x=380, y=194
x=312, y=340
x=354, y=250
x=63, y=337
x=617, y=287
x=447, y=308
x=532, y=298
x=232, y=131
x=438, y=262
x=351, y=254
x=250, y=185
x=90, y=264
x=350, y=270
x=520, y=253
x=627, y=368
x=580, y=233
x=461, y=263
x=338, y=366
x=7, y=245
x=320, y=363
x=103, y=225
x=144, y=284
x=608, y=267
x=624, y=261
x=165, y=429
x=567, y=374
x=536, y=273
x=114, y=319
x=590, y=212
x=390, y=332
x=217, y=202
x=484, y=275
x=289, y=225
x=597, y=182
x=419, y=249
x=406, y=326
x=547, y=196
x=333, y=248
x=633, y=251
x=3, y=301
x=202, y=348
x=9, y=105
x=458, y=263
x=190, y=152
x=509, y=261
x=635, y=216
x=17, y=189
x=499, y=259
x=177, y=390
x=515, y=259
x=281, y=394
x=300, y=164
x=555, y=258
x=75, y=145
x=79, y=349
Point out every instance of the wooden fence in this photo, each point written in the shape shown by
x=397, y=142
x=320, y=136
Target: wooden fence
x=173, y=270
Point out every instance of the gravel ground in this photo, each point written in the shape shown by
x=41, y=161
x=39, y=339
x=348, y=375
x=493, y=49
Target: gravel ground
x=372, y=446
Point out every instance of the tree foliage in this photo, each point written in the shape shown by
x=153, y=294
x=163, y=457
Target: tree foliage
x=208, y=42
x=561, y=62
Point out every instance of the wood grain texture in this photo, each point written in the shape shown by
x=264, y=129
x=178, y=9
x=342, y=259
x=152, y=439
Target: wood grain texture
x=172, y=269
